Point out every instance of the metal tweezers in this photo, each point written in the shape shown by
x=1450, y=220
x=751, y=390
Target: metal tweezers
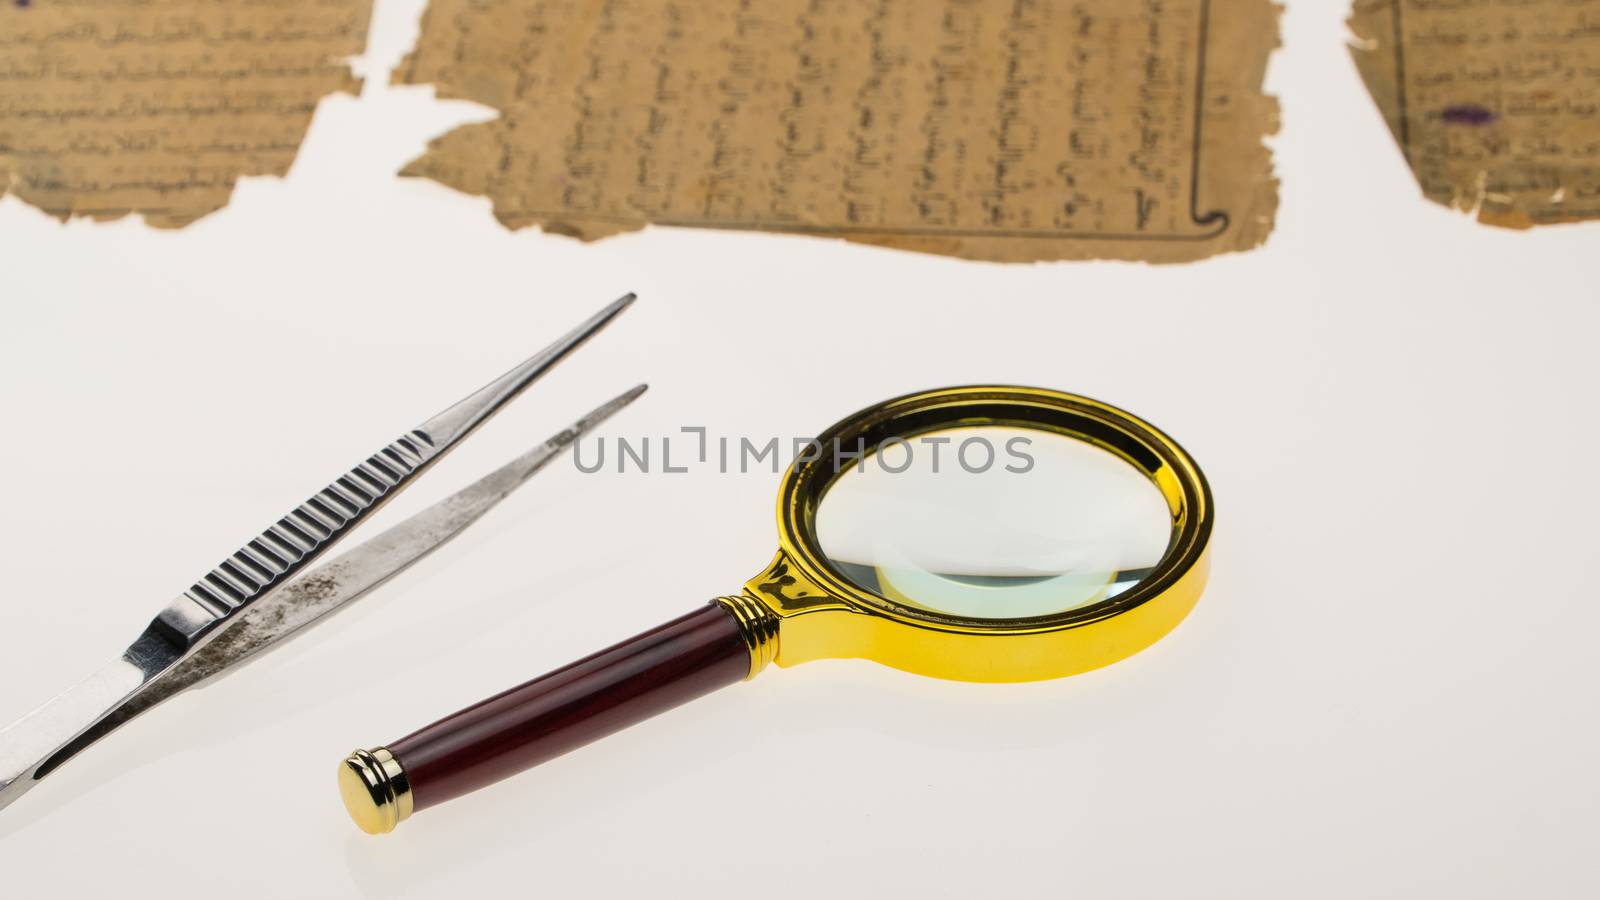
x=265, y=592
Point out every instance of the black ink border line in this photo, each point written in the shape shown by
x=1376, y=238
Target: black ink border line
x=1403, y=127
x=1215, y=217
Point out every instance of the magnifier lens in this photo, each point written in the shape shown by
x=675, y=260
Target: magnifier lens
x=993, y=522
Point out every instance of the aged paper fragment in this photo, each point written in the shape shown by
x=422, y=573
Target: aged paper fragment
x=989, y=129
x=158, y=106
x=1495, y=103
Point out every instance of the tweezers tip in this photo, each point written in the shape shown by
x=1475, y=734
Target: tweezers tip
x=607, y=409
x=597, y=321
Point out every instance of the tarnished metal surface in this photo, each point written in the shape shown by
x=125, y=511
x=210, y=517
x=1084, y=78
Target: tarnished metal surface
x=266, y=592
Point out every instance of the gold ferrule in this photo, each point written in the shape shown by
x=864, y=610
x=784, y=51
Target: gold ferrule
x=375, y=790
x=758, y=626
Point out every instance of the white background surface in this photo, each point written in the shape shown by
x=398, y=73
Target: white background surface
x=1388, y=690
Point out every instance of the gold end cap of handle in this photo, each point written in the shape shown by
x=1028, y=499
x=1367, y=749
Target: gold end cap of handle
x=375, y=790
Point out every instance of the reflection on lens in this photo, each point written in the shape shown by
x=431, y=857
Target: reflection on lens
x=993, y=523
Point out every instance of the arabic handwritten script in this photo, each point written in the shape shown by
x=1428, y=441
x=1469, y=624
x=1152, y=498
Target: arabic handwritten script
x=1496, y=103
x=993, y=129
x=158, y=106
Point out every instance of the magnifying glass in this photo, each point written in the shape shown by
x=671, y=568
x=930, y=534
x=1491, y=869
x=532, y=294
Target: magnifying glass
x=992, y=534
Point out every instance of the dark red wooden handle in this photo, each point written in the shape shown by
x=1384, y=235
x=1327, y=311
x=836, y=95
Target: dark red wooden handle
x=593, y=697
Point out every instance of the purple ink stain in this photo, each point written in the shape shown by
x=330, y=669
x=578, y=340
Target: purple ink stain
x=1467, y=114
x=24, y=4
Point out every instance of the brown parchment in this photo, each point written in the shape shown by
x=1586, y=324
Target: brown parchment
x=1495, y=103
x=158, y=106
x=990, y=129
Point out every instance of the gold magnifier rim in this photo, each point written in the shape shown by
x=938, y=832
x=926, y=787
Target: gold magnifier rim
x=1100, y=424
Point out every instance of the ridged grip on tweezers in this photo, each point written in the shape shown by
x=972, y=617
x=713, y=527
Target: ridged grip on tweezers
x=278, y=553
x=36, y=744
